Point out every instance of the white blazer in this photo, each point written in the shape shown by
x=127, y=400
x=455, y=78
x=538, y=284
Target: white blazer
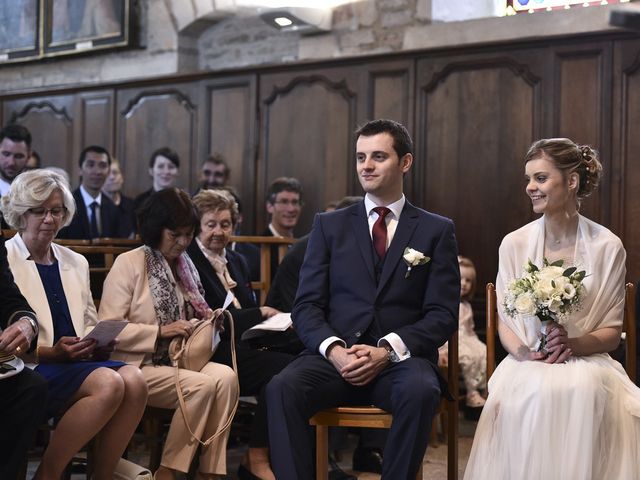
x=74, y=272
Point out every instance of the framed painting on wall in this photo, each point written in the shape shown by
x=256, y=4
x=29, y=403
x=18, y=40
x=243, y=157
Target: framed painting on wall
x=19, y=32
x=77, y=25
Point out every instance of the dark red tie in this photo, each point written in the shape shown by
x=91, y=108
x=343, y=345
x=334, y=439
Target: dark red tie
x=379, y=231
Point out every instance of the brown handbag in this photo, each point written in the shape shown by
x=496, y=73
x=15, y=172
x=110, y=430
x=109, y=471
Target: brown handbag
x=193, y=353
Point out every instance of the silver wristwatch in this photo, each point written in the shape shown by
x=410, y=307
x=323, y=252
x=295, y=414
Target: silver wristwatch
x=392, y=355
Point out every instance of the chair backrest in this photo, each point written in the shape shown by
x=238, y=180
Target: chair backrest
x=265, y=243
x=628, y=328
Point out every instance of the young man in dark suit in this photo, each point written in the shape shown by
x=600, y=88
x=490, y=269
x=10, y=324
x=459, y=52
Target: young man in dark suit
x=96, y=215
x=22, y=396
x=379, y=293
x=284, y=204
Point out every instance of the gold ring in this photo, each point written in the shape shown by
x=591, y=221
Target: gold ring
x=18, y=349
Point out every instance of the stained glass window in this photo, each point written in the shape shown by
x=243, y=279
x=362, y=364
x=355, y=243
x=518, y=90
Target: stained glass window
x=520, y=6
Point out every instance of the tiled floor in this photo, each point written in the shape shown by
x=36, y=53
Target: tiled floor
x=434, y=467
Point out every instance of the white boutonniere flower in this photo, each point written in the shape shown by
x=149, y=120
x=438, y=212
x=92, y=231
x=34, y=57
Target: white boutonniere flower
x=413, y=258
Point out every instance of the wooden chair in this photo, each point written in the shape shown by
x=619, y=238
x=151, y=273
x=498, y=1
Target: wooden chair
x=117, y=242
x=628, y=328
x=265, y=244
x=373, y=417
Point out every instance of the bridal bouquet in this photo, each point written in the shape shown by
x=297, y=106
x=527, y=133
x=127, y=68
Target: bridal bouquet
x=550, y=293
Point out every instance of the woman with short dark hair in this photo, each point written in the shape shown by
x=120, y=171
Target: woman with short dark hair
x=157, y=289
x=164, y=168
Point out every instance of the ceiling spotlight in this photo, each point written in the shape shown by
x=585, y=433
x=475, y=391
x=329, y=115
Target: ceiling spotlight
x=303, y=20
x=283, y=21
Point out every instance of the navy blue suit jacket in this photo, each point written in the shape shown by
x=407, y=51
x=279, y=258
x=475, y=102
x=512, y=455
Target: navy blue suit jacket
x=340, y=293
x=79, y=227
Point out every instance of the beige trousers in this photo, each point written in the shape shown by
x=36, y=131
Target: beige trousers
x=209, y=395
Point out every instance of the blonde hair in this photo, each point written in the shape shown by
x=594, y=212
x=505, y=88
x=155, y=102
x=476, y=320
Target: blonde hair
x=466, y=262
x=32, y=189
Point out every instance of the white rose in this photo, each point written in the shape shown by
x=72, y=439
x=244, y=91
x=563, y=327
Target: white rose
x=569, y=291
x=550, y=273
x=544, y=289
x=412, y=256
x=525, y=305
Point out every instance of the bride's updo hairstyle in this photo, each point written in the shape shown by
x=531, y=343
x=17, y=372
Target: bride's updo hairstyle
x=569, y=157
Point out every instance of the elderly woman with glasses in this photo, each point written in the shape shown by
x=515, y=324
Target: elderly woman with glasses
x=90, y=394
x=157, y=290
x=223, y=271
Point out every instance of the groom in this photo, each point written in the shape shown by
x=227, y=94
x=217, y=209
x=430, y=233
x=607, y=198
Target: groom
x=370, y=315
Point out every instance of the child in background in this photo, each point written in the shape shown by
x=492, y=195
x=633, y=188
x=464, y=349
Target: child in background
x=472, y=353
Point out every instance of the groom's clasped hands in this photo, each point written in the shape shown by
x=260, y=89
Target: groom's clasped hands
x=358, y=364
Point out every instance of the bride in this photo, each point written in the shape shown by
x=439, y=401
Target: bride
x=569, y=411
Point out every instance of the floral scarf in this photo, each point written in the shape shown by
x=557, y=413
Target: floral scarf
x=163, y=289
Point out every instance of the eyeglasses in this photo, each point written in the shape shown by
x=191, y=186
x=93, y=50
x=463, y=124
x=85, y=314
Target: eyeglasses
x=289, y=203
x=56, y=212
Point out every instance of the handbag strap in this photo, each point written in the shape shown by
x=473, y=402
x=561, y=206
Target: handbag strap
x=183, y=406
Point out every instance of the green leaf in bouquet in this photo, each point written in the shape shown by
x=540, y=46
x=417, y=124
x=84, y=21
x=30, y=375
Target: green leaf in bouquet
x=580, y=276
x=531, y=267
x=569, y=271
x=557, y=263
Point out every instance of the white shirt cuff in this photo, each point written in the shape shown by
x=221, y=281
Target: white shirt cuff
x=330, y=341
x=397, y=344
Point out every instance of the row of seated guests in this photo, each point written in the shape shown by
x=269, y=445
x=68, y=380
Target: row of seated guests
x=158, y=289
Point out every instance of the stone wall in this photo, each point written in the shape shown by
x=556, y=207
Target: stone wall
x=179, y=36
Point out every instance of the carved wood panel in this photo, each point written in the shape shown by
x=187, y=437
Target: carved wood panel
x=476, y=119
x=391, y=94
x=307, y=121
x=625, y=175
x=581, y=111
x=50, y=119
x=230, y=129
x=150, y=118
x=96, y=120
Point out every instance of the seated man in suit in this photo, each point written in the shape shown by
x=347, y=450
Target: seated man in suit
x=379, y=293
x=23, y=396
x=367, y=457
x=96, y=214
x=284, y=204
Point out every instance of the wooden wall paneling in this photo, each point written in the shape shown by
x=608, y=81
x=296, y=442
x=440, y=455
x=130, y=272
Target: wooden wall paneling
x=307, y=120
x=50, y=119
x=390, y=93
x=230, y=128
x=582, y=110
x=477, y=116
x=96, y=120
x=152, y=117
x=625, y=175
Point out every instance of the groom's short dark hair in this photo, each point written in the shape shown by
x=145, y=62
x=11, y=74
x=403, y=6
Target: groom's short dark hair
x=402, y=142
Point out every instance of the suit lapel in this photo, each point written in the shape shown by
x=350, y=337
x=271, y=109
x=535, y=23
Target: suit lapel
x=363, y=238
x=81, y=211
x=404, y=231
x=69, y=278
x=241, y=289
x=106, y=214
